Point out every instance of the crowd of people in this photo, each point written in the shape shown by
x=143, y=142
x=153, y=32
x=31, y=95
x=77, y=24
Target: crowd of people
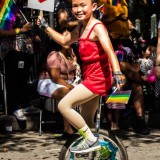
x=89, y=54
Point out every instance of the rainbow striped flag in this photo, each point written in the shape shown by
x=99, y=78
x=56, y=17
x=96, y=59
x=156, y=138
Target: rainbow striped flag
x=8, y=11
x=119, y=97
x=112, y=2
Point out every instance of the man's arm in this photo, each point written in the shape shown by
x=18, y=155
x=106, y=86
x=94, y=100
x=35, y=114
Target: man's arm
x=5, y=33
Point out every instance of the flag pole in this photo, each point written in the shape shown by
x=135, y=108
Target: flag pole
x=100, y=7
x=23, y=16
x=22, y=13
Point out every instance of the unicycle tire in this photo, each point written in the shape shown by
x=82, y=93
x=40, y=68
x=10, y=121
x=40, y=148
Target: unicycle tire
x=112, y=148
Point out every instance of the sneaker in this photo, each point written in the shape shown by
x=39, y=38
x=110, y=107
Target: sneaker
x=85, y=146
x=19, y=115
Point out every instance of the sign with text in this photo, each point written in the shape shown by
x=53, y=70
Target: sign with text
x=45, y=5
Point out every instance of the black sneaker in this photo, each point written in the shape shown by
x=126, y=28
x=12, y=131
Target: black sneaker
x=141, y=127
x=86, y=146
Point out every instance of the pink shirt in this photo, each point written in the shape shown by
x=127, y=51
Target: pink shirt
x=58, y=60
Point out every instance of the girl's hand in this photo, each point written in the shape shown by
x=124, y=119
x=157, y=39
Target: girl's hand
x=120, y=79
x=41, y=22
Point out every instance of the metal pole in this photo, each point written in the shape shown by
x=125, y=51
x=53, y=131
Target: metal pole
x=4, y=91
x=138, y=25
x=51, y=19
x=153, y=26
x=4, y=83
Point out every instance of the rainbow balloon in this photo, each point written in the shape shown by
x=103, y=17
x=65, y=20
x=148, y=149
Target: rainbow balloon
x=8, y=11
x=119, y=97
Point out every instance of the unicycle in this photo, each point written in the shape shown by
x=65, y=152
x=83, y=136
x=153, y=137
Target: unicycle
x=112, y=147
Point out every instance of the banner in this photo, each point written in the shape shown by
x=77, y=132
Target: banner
x=119, y=97
x=45, y=5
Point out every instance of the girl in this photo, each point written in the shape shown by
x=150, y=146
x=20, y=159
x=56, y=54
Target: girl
x=97, y=54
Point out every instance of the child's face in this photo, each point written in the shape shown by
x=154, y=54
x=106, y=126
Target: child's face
x=83, y=9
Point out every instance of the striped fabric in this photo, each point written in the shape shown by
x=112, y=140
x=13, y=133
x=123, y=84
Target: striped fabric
x=8, y=11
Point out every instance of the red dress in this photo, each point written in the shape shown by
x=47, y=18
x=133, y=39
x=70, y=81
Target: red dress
x=96, y=69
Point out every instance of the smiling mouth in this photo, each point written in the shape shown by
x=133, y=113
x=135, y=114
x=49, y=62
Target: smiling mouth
x=79, y=15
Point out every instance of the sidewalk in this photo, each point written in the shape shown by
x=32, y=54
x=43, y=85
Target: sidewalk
x=24, y=143
x=30, y=146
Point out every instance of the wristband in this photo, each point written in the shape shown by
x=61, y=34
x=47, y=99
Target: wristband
x=17, y=30
x=117, y=73
x=44, y=24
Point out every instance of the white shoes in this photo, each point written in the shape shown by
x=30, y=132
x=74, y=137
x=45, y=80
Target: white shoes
x=20, y=115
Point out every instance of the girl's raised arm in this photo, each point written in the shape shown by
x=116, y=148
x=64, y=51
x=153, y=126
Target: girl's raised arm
x=59, y=38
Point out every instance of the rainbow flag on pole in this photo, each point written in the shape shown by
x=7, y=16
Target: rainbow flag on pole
x=8, y=11
x=119, y=97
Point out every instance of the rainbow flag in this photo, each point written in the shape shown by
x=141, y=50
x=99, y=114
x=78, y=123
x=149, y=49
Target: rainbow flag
x=8, y=11
x=112, y=2
x=119, y=97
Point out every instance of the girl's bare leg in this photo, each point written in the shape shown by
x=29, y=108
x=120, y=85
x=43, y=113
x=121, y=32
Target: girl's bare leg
x=88, y=111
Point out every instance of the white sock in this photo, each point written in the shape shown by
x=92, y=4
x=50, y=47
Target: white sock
x=87, y=134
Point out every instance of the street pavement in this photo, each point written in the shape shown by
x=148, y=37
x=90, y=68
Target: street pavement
x=25, y=143
x=29, y=145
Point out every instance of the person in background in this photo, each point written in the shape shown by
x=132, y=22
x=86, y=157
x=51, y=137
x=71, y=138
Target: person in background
x=115, y=18
x=17, y=51
x=56, y=78
x=15, y=66
x=8, y=37
x=123, y=33
x=59, y=60
x=157, y=65
x=157, y=68
x=65, y=20
x=146, y=64
x=137, y=99
x=5, y=33
x=98, y=56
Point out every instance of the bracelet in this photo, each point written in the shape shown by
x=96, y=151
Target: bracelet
x=117, y=73
x=17, y=30
x=158, y=64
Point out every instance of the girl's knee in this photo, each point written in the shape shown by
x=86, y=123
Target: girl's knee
x=61, y=106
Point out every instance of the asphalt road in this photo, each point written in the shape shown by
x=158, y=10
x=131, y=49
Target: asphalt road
x=31, y=146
